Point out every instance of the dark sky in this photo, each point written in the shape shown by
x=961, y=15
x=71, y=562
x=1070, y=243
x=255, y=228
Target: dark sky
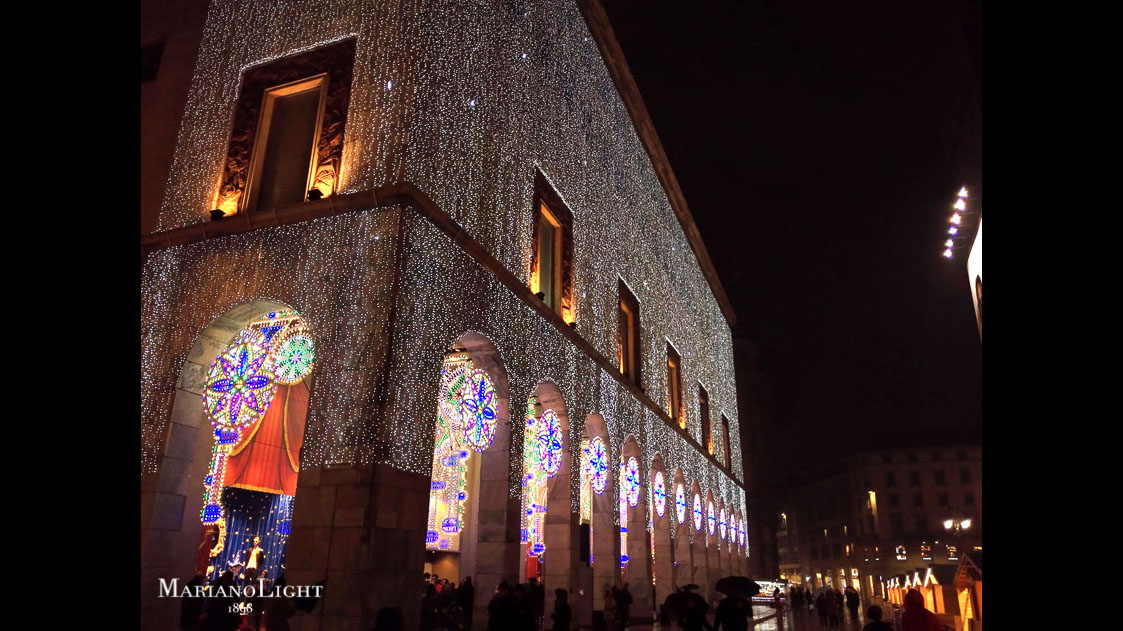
x=819, y=146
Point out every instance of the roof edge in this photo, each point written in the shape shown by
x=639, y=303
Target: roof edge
x=601, y=29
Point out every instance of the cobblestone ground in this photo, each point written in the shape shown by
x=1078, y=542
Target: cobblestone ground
x=792, y=621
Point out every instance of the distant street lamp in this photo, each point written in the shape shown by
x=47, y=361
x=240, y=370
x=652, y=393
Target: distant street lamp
x=955, y=527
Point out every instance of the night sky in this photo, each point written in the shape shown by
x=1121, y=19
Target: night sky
x=820, y=146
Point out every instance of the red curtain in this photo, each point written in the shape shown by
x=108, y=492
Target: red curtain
x=267, y=458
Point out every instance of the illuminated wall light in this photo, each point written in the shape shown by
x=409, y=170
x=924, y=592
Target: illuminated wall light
x=949, y=243
x=960, y=205
x=953, y=230
x=963, y=192
x=947, y=253
x=955, y=219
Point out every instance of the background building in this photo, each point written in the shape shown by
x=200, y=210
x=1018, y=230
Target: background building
x=421, y=293
x=887, y=513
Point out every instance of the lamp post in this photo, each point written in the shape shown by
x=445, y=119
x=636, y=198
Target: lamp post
x=955, y=527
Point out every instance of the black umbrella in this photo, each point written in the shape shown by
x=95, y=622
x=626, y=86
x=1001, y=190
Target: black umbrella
x=738, y=586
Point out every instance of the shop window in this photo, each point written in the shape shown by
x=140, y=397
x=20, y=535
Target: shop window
x=286, y=144
x=551, y=260
x=628, y=346
x=674, y=386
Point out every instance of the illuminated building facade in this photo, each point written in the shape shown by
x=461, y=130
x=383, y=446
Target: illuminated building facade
x=422, y=294
x=889, y=513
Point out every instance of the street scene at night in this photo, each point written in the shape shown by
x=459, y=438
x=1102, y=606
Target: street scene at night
x=597, y=315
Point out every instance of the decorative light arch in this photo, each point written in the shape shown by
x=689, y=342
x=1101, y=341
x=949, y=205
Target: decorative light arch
x=659, y=493
x=466, y=419
x=680, y=502
x=697, y=512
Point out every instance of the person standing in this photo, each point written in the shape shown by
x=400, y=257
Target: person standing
x=916, y=616
x=821, y=608
x=624, y=606
x=562, y=615
x=733, y=614
x=610, y=609
x=874, y=614
x=466, y=598
x=853, y=601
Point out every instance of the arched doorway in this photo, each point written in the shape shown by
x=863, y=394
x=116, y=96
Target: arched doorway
x=713, y=548
x=215, y=473
x=699, y=560
x=255, y=396
x=472, y=522
x=597, y=482
x=635, y=544
x=661, y=511
x=549, y=528
x=683, y=565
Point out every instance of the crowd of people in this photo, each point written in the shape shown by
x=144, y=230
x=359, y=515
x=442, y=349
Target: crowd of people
x=447, y=606
x=225, y=612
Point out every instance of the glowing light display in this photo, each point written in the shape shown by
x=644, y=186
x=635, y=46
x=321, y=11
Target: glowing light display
x=453, y=445
x=239, y=390
x=294, y=359
x=680, y=503
x=711, y=519
x=542, y=452
x=659, y=491
x=598, y=464
x=632, y=481
x=697, y=513
x=241, y=383
x=722, y=524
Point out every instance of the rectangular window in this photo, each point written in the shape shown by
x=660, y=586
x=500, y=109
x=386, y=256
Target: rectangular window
x=921, y=523
x=890, y=479
x=725, y=441
x=965, y=476
x=940, y=479
x=629, y=342
x=704, y=416
x=287, y=138
x=551, y=261
x=969, y=499
x=283, y=164
x=914, y=478
x=674, y=386
x=893, y=500
x=943, y=497
x=918, y=499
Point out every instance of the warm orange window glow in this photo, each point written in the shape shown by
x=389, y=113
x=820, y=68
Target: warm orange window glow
x=674, y=387
x=704, y=413
x=629, y=334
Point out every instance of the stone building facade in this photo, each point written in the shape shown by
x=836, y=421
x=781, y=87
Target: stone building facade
x=884, y=516
x=445, y=133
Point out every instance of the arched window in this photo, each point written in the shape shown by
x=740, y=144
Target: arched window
x=256, y=396
x=542, y=452
x=466, y=418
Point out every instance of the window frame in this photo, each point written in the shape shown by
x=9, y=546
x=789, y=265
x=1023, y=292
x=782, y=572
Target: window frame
x=317, y=82
x=726, y=449
x=628, y=346
x=674, y=386
x=549, y=207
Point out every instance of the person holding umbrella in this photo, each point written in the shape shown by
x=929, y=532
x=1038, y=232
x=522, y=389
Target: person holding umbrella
x=736, y=610
x=688, y=608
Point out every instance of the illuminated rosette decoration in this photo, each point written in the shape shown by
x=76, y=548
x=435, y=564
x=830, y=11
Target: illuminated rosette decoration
x=722, y=524
x=733, y=530
x=659, y=492
x=294, y=359
x=478, y=410
x=241, y=383
x=741, y=532
x=697, y=512
x=711, y=519
x=632, y=481
x=680, y=503
x=597, y=462
x=550, y=442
